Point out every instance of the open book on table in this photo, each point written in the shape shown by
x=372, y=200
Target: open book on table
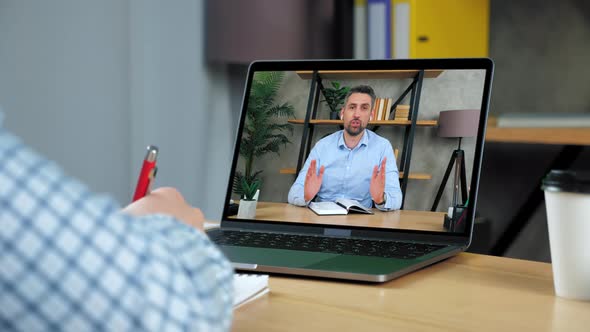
x=248, y=287
x=340, y=206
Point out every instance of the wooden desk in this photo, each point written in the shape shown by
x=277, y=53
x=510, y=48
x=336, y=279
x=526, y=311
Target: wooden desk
x=401, y=219
x=465, y=293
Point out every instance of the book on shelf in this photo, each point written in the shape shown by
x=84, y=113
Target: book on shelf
x=374, y=110
x=248, y=287
x=543, y=120
x=340, y=207
x=388, y=104
x=379, y=106
x=382, y=109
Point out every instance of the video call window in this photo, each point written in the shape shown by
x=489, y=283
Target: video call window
x=277, y=147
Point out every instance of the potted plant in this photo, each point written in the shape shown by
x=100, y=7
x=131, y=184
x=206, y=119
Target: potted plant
x=247, y=208
x=334, y=97
x=262, y=134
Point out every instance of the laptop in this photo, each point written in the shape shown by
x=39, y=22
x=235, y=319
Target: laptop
x=423, y=108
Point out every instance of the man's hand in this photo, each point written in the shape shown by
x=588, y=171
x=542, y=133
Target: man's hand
x=313, y=181
x=168, y=201
x=378, y=183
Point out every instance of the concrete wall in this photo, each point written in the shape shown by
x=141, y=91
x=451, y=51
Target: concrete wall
x=541, y=53
x=451, y=90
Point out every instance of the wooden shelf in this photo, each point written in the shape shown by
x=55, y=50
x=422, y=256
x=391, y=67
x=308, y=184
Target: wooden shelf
x=414, y=176
x=421, y=123
x=565, y=136
x=367, y=74
x=415, y=79
x=287, y=170
x=417, y=176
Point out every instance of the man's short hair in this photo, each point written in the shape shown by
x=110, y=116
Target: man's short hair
x=361, y=89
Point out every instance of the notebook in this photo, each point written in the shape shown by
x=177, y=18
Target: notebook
x=340, y=206
x=285, y=123
x=248, y=287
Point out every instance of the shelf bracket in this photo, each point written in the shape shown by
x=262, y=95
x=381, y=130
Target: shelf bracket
x=312, y=104
x=409, y=133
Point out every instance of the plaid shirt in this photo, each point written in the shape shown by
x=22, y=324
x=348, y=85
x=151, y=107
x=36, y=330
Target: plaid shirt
x=69, y=260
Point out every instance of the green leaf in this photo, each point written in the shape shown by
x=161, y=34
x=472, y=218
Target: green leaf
x=249, y=188
x=334, y=96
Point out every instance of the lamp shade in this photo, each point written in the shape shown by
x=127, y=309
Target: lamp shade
x=458, y=123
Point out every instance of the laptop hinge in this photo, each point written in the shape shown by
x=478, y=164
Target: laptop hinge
x=337, y=232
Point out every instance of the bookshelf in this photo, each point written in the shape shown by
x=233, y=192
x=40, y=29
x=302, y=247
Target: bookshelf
x=413, y=91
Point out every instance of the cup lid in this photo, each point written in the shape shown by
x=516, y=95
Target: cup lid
x=567, y=181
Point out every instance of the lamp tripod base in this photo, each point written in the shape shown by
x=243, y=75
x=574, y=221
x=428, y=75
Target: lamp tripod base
x=457, y=160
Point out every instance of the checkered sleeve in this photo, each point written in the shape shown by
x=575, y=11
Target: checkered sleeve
x=70, y=260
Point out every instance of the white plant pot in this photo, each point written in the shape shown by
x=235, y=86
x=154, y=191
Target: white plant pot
x=247, y=209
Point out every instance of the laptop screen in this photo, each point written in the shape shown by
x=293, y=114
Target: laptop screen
x=385, y=144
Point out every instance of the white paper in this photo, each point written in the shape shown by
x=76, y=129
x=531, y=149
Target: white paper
x=248, y=287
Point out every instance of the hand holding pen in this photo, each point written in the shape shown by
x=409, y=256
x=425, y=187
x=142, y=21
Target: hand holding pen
x=147, y=173
x=166, y=200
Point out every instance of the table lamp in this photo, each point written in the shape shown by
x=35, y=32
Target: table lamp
x=456, y=124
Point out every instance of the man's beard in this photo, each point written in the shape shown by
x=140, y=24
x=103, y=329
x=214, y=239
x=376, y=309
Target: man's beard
x=354, y=132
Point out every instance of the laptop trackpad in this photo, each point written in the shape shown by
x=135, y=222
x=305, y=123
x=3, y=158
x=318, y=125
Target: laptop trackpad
x=274, y=257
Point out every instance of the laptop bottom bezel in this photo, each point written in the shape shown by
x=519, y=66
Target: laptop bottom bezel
x=344, y=275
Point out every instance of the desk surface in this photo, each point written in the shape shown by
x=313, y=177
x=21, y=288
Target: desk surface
x=401, y=219
x=468, y=292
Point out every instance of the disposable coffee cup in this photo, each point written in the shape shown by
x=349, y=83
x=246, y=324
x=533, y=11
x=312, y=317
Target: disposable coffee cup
x=567, y=197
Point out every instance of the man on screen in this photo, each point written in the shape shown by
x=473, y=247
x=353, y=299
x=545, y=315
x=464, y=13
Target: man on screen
x=353, y=163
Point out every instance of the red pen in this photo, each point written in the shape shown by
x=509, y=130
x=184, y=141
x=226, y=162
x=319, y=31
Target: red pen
x=147, y=173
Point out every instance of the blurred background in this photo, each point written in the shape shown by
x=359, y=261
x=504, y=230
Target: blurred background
x=91, y=83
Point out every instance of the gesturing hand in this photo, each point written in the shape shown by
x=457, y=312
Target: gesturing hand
x=313, y=181
x=378, y=182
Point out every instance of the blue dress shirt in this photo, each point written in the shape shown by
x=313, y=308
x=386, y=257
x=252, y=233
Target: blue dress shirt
x=348, y=171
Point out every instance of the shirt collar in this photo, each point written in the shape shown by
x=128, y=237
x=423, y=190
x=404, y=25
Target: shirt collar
x=364, y=140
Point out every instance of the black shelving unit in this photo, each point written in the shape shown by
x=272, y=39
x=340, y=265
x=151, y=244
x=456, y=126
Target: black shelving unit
x=414, y=90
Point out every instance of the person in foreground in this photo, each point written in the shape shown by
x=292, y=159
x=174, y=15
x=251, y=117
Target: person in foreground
x=74, y=261
x=353, y=163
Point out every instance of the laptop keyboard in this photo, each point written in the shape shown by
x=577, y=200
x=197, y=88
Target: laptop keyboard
x=336, y=245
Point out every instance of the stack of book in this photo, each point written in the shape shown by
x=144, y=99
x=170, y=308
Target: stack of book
x=402, y=112
x=382, y=110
